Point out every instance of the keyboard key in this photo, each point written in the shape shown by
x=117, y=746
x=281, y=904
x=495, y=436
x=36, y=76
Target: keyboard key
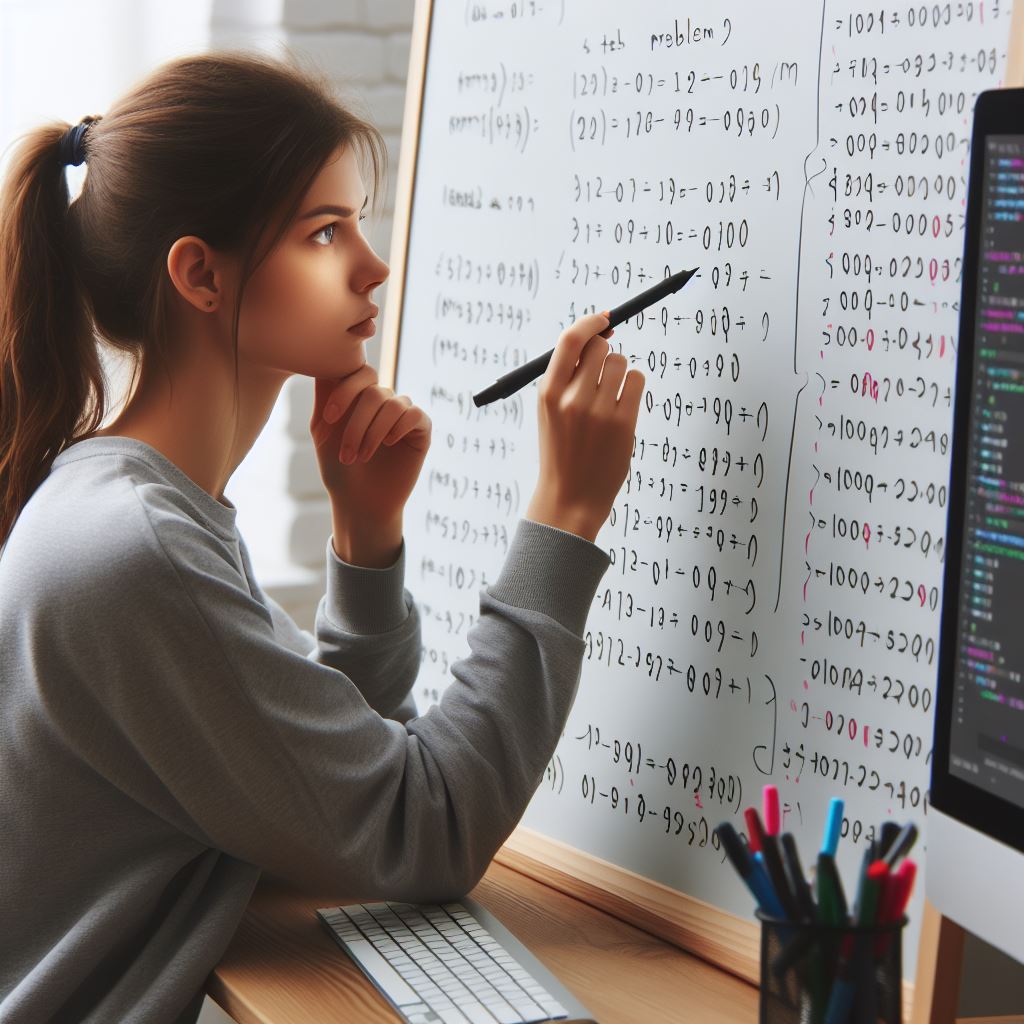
x=506, y=1016
x=381, y=971
x=416, y=1008
x=529, y=1009
x=478, y=1013
x=450, y=1015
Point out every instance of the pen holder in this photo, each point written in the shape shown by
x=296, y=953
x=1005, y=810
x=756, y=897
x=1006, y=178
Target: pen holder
x=829, y=973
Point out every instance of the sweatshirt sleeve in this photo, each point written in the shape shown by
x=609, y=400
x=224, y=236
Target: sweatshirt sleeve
x=183, y=697
x=367, y=626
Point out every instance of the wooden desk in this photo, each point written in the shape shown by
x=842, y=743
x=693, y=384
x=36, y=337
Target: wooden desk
x=283, y=968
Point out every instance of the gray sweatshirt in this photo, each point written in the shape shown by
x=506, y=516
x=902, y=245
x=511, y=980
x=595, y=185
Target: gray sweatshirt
x=168, y=732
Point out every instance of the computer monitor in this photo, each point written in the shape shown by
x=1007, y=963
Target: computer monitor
x=975, y=832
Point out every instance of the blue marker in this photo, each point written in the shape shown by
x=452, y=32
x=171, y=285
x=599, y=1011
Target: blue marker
x=833, y=825
x=770, y=903
x=756, y=880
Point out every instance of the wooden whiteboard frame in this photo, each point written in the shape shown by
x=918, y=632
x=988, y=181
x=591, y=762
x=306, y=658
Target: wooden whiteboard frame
x=722, y=938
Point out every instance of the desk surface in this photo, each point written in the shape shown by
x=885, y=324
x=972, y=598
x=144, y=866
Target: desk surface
x=283, y=968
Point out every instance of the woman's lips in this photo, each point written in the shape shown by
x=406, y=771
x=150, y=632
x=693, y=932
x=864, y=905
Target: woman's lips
x=366, y=326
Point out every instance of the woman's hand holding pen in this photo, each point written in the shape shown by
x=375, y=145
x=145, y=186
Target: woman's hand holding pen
x=370, y=459
x=586, y=431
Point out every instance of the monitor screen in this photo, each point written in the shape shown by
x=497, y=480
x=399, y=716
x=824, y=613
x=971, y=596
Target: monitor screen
x=986, y=730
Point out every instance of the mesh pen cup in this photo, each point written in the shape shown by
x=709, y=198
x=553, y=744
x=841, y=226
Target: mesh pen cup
x=815, y=973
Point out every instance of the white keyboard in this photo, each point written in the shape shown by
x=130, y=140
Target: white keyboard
x=437, y=965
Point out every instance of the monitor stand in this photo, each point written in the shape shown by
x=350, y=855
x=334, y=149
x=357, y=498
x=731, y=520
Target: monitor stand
x=940, y=955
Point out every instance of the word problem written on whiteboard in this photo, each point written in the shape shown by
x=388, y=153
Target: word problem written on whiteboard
x=771, y=610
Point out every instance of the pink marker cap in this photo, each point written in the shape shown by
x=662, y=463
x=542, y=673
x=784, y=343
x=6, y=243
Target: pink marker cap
x=772, y=816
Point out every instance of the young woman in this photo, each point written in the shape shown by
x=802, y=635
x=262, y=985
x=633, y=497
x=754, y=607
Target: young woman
x=167, y=732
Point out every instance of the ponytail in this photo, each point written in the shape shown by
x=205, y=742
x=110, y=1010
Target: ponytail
x=49, y=362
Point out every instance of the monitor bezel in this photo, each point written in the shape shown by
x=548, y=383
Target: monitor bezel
x=996, y=112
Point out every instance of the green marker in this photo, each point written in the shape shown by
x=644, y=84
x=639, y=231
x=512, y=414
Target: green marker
x=831, y=898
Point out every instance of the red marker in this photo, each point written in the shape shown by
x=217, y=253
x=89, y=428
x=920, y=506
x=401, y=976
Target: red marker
x=897, y=896
x=772, y=817
x=755, y=829
x=888, y=904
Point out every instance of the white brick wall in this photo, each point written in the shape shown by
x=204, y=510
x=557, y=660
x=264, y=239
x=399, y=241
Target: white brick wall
x=348, y=55
x=323, y=14
x=397, y=55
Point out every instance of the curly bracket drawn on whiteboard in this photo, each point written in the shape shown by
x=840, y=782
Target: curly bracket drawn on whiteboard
x=775, y=722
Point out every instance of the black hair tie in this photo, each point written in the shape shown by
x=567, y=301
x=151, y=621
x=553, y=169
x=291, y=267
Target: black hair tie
x=71, y=149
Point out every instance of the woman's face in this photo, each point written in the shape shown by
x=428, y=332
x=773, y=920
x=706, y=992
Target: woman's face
x=300, y=307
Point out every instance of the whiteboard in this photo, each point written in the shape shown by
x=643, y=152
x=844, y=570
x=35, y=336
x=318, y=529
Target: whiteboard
x=771, y=612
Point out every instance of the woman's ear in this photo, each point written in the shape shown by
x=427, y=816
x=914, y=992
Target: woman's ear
x=198, y=272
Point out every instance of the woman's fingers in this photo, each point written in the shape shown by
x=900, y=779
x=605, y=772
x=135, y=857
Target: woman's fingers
x=376, y=415
x=569, y=347
x=387, y=417
x=363, y=410
x=616, y=366
x=591, y=361
x=347, y=391
x=410, y=419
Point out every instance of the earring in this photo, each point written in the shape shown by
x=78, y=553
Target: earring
x=209, y=302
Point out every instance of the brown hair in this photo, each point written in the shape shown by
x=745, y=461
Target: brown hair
x=214, y=145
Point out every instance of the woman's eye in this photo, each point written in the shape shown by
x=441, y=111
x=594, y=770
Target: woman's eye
x=327, y=227
x=331, y=227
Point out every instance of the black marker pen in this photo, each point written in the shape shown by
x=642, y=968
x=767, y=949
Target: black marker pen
x=522, y=375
